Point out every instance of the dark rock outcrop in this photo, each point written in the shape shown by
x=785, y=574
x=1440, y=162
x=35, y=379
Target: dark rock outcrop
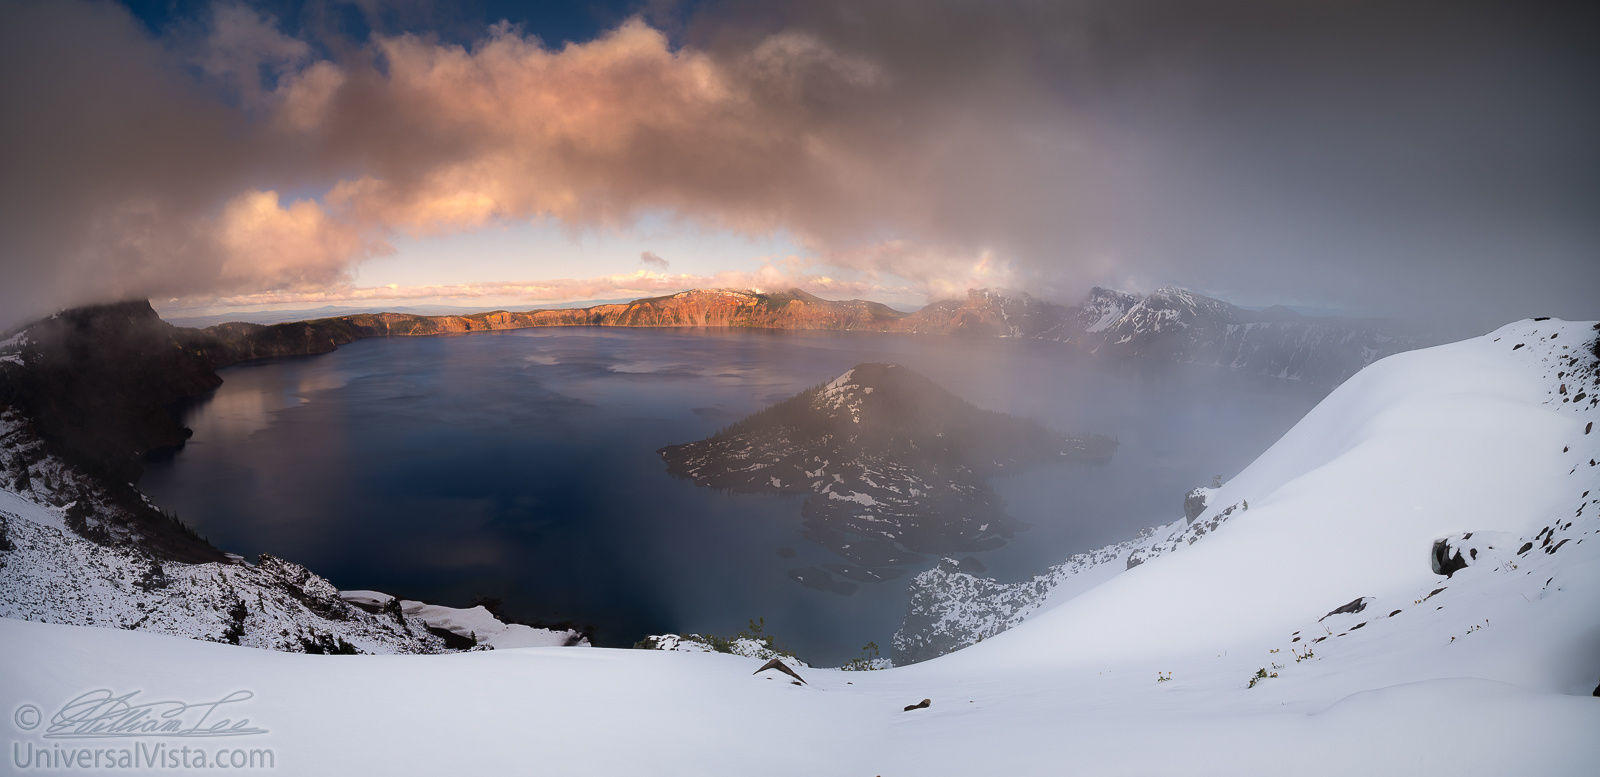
x=1349, y=608
x=1445, y=559
x=773, y=663
x=1194, y=503
x=89, y=394
x=103, y=385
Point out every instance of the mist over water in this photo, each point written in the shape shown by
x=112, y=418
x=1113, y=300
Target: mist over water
x=522, y=466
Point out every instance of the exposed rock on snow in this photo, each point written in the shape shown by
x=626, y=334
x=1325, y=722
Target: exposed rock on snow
x=748, y=647
x=475, y=625
x=1195, y=503
x=779, y=665
x=1349, y=608
x=1446, y=560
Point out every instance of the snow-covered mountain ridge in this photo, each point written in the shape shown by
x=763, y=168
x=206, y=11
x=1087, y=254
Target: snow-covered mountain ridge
x=1176, y=325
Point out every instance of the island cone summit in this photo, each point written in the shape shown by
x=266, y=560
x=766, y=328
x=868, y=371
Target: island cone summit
x=895, y=466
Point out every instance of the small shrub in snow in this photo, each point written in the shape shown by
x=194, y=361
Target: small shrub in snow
x=868, y=660
x=1262, y=674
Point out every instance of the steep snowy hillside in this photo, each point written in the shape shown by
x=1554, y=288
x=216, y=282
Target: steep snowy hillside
x=49, y=573
x=1482, y=448
x=951, y=608
x=1413, y=588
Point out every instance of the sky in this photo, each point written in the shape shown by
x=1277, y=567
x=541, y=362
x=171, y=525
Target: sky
x=1421, y=160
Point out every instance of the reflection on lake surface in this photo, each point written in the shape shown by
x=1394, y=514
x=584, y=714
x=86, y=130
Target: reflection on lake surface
x=522, y=466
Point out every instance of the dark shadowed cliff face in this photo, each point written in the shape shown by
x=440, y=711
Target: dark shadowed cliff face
x=84, y=396
x=103, y=385
x=894, y=465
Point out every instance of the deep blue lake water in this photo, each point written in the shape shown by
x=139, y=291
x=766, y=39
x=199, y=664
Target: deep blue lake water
x=521, y=466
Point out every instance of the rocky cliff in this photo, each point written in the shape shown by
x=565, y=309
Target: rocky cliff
x=1166, y=325
x=87, y=394
x=793, y=309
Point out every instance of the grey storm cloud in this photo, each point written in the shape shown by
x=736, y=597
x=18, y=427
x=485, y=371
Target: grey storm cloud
x=650, y=259
x=1395, y=158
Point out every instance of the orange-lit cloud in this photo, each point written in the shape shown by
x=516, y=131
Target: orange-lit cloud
x=1046, y=145
x=408, y=136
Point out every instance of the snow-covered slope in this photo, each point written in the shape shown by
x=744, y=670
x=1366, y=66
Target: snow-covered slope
x=50, y=573
x=950, y=608
x=1308, y=634
x=1472, y=437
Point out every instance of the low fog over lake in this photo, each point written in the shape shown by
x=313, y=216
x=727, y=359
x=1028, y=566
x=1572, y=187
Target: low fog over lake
x=522, y=467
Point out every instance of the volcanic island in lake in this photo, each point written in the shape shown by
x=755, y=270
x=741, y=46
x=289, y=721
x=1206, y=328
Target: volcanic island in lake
x=895, y=467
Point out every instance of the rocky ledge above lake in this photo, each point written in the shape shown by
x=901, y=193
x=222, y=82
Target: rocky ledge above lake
x=894, y=467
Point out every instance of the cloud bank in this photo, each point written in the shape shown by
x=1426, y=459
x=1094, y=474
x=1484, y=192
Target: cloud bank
x=1340, y=153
